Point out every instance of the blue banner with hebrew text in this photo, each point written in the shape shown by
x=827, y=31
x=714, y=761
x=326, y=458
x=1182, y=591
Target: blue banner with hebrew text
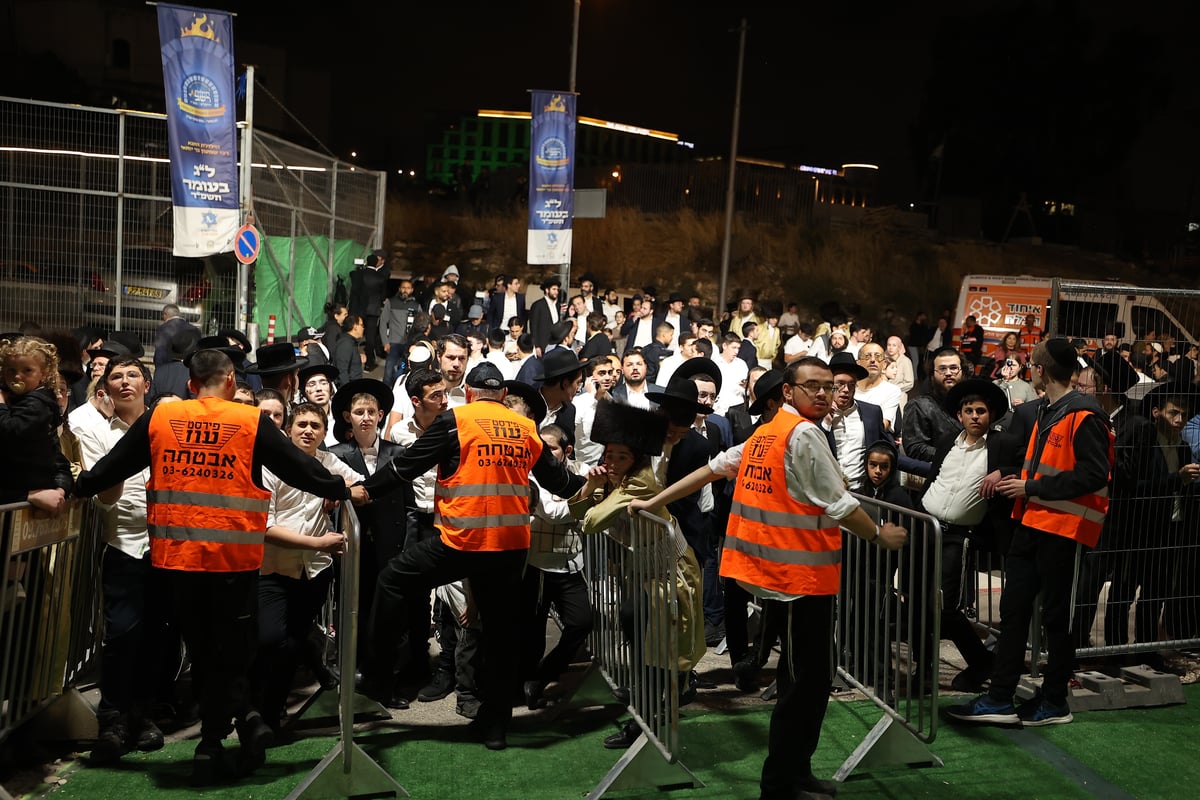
x=197, y=59
x=551, y=177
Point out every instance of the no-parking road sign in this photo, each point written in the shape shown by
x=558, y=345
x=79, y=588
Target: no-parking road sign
x=246, y=244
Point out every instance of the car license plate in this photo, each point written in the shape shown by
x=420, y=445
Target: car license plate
x=148, y=292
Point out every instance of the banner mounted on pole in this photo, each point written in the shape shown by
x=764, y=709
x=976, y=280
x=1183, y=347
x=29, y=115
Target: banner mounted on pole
x=551, y=177
x=197, y=58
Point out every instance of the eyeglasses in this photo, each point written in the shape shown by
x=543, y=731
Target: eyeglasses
x=813, y=387
x=880, y=357
x=843, y=387
x=948, y=370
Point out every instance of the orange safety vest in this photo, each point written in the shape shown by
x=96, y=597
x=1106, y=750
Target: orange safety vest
x=203, y=509
x=774, y=541
x=1079, y=518
x=484, y=505
x=1029, y=337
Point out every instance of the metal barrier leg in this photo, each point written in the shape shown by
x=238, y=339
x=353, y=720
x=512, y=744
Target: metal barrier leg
x=889, y=744
x=641, y=766
x=347, y=771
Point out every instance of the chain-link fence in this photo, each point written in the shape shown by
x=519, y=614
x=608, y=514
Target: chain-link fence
x=86, y=224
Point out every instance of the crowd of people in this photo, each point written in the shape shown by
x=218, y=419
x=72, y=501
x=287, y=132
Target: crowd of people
x=500, y=435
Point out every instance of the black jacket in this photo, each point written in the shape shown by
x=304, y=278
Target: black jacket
x=384, y=521
x=540, y=323
x=873, y=431
x=595, y=347
x=926, y=421
x=1004, y=454
x=33, y=458
x=368, y=288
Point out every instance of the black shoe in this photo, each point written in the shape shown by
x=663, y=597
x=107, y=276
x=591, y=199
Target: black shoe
x=971, y=679
x=533, y=694
x=492, y=734
x=441, y=686
x=147, y=736
x=380, y=694
x=468, y=707
x=714, y=634
x=815, y=785
x=209, y=764
x=255, y=736
x=624, y=738
x=325, y=677
x=112, y=742
x=621, y=693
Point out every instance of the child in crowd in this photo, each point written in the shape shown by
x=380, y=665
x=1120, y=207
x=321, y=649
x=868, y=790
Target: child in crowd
x=34, y=468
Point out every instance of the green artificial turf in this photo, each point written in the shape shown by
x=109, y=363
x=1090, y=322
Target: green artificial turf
x=1133, y=753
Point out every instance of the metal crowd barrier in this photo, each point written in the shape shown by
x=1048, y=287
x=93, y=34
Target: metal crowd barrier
x=50, y=607
x=887, y=631
x=635, y=645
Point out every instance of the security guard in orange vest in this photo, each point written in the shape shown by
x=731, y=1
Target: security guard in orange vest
x=1061, y=499
x=206, y=511
x=783, y=544
x=484, y=453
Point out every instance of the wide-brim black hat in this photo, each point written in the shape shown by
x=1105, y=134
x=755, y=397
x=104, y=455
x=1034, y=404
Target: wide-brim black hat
x=237, y=336
x=845, y=362
x=215, y=343
x=129, y=340
x=698, y=365
x=993, y=396
x=272, y=359
x=109, y=350
x=640, y=430
x=1116, y=373
x=561, y=361
x=328, y=370
x=372, y=386
x=532, y=397
x=769, y=383
x=679, y=394
x=184, y=342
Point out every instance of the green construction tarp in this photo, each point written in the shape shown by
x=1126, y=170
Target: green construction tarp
x=298, y=266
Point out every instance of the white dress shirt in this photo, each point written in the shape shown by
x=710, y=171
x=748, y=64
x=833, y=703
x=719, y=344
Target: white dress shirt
x=124, y=522
x=954, y=495
x=302, y=513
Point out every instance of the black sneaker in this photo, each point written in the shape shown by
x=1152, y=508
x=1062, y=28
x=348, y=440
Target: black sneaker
x=532, y=691
x=112, y=741
x=467, y=706
x=441, y=686
x=255, y=736
x=1039, y=711
x=148, y=737
x=818, y=786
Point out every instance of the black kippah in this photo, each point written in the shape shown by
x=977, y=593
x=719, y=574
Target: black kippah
x=1062, y=353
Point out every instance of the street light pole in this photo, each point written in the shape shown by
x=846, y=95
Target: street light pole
x=729, y=190
x=564, y=270
x=574, y=46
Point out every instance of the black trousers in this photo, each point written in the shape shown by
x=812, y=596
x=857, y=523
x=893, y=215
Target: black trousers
x=140, y=656
x=568, y=593
x=1037, y=562
x=371, y=335
x=287, y=608
x=807, y=663
x=217, y=615
x=496, y=584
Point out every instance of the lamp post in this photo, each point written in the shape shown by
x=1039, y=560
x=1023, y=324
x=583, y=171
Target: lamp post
x=729, y=190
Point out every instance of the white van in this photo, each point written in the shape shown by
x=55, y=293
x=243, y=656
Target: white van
x=1000, y=303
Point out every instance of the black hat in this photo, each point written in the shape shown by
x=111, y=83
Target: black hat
x=183, y=342
x=1115, y=372
x=993, y=396
x=560, y=361
x=675, y=297
x=638, y=429
x=679, y=394
x=1062, y=352
x=215, y=343
x=273, y=359
x=844, y=362
x=485, y=375
x=130, y=340
x=698, y=365
x=109, y=349
x=371, y=386
x=551, y=281
x=588, y=276
x=240, y=338
x=532, y=397
x=310, y=333
x=767, y=384
x=328, y=370
x=650, y=290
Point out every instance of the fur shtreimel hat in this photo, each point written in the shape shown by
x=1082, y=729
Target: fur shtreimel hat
x=641, y=431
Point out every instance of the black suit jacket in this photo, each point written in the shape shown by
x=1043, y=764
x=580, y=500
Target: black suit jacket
x=383, y=520
x=565, y=419
x=597, y=346
x=495, y=311
x=540, y=323
x=620, y=392
x=874, y=430
x=368, y=289
x=689, y=454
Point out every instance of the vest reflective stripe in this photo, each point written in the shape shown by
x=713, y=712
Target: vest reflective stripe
x=204, y=512
x=177, y=497
x=483, y=490
x=1078, y=518
x=484, y=505
x=782, y=519
x=774, y=541
x=785, y=556
x=486, y=521
x=205, y=535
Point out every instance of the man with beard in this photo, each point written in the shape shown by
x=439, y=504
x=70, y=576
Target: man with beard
x=633, y=386
x=602, y=376
x=543, y=314
x=395, y=322
x=926, y=420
